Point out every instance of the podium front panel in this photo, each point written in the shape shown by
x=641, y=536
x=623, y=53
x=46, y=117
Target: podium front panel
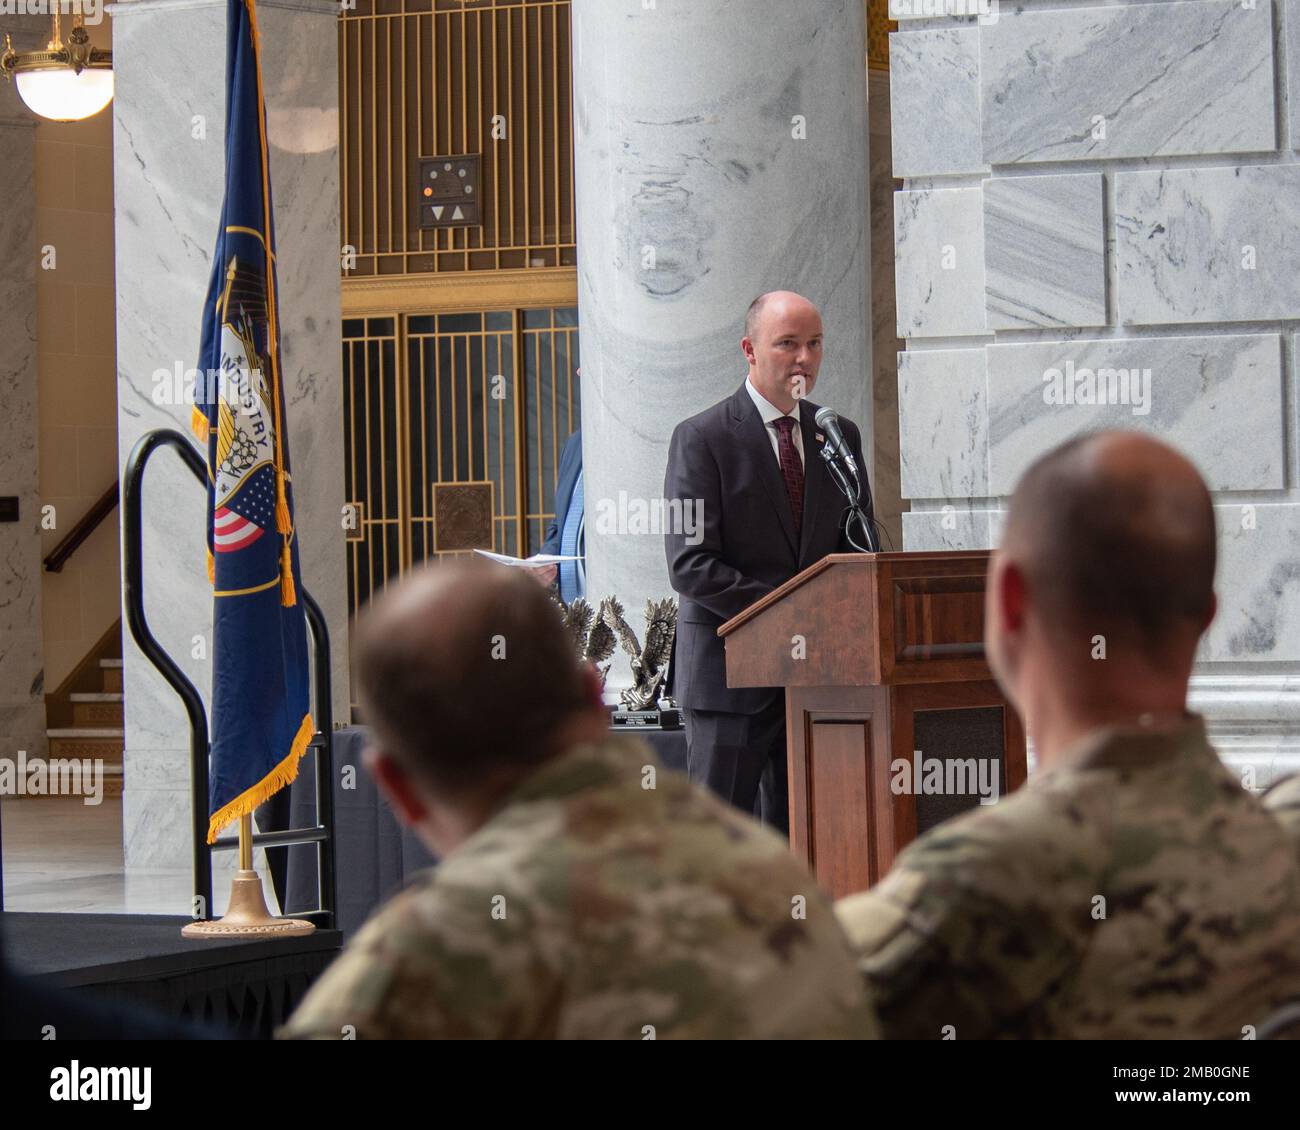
x=841, y=818
x=961, y=751
x=872, y=767
x=932, y=627
x=840, y=789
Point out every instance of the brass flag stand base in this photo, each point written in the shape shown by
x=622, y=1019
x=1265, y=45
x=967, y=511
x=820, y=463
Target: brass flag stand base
x=248, y=916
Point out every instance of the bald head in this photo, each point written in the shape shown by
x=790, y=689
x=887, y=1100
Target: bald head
x=465, y=670
x=1114, y=533
x=779, y=303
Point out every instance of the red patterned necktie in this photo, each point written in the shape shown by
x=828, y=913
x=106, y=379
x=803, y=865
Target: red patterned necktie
x=791, y=467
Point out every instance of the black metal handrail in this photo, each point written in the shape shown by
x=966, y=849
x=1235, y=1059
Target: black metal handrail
x=133, y=587
x=89, y=523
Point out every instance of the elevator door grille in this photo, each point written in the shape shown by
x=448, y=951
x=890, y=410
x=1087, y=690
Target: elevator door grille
x=485, y=398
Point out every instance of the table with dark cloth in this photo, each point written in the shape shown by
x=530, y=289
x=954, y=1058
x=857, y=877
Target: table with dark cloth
x=374, y=854
x=133, y=976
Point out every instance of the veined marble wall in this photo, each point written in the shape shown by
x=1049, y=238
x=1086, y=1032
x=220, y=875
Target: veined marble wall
x=721, y=152
x=1112, y=189
x=169, y=113
x=22, y=692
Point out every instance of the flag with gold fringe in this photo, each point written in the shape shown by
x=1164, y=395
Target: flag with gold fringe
x=261, y=720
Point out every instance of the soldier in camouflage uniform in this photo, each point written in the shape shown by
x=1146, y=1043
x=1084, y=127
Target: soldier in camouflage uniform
x=1132, y=888
x=1283, y=800
x=584, y=890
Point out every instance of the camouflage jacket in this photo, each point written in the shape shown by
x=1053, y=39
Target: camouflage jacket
x=1134, y=890
x=1283, y=800
x=607, y=898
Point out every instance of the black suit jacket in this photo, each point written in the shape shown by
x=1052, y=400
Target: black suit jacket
x=746, y=542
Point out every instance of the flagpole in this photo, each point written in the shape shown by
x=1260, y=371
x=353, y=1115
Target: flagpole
x=246, y=842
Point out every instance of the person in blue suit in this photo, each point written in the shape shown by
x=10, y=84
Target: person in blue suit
x=566, y=534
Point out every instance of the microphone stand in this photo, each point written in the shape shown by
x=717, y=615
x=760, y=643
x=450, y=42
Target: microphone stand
x=852, y=491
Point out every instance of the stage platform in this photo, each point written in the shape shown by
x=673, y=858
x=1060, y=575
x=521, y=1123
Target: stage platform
x=141, y=961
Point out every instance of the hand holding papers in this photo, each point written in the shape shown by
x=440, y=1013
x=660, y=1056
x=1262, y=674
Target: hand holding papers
x=537, y=560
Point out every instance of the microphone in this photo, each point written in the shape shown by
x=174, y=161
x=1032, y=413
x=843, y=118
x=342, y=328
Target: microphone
x=837, y=448
x=829, y=421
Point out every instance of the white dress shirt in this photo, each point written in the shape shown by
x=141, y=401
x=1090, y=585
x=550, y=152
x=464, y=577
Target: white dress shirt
x=770, y=413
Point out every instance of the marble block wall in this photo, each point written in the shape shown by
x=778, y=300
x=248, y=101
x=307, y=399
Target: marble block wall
x=1104, y=198
x=169, y=115
x=22, y=698
x=720, y=152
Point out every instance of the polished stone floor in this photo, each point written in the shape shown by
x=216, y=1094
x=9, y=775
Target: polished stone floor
x=63, y=855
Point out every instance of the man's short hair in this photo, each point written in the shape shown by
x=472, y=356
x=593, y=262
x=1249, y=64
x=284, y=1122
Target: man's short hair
x=754, y=314
x=1113, y=552
x=466, y=669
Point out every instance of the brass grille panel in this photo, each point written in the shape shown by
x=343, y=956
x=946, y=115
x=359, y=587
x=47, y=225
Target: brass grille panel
x=458, y=398
x=552, y=404
x=460, y=432
x=423, y=80
x=372, y=454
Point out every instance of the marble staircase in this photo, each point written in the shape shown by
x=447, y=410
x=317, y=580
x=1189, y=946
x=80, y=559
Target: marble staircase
x=98, y=730
x=94, y=717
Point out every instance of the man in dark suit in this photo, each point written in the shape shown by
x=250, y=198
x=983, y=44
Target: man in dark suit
x=769, y=509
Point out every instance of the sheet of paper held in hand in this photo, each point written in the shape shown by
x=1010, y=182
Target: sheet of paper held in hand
x=537, y=559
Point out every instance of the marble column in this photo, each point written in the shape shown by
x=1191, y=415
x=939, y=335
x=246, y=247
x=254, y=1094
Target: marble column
x=169, y=120
x=721, y=152
x=22, y=698
x=1061, y=208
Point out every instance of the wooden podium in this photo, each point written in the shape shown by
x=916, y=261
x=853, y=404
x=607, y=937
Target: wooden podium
x=881, y=655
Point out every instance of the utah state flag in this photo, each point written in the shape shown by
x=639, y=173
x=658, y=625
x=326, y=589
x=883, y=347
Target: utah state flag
x=261, y=721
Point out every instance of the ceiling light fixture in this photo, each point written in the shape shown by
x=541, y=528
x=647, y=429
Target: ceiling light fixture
x=64, y=82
